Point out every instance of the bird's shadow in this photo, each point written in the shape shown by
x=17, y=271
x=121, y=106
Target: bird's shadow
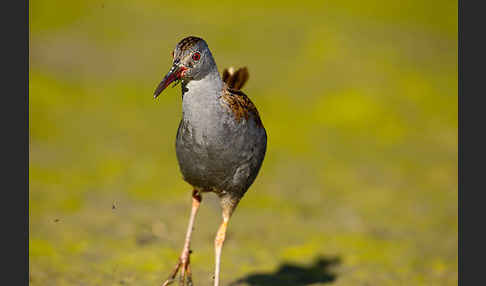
x=292, y=274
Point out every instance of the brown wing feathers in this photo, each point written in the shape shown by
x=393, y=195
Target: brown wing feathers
x=235, y=79
x=238, y=102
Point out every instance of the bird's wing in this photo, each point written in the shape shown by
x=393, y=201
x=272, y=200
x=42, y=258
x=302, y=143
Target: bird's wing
x=240, y=105
x=235, y=79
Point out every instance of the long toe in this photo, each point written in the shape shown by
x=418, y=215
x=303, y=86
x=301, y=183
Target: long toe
x=172, y=276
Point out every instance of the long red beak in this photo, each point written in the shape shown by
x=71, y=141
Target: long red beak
x=175, y=73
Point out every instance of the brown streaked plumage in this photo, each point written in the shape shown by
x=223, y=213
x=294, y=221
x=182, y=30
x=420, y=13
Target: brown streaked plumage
x=187, y=43
x=241, y=106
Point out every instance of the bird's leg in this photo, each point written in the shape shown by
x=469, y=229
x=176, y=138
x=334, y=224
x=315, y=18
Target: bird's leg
x=189, y=275
x=218, y=245
x=184, y=258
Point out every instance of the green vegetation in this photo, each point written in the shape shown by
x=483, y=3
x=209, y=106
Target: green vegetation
x=359, y=100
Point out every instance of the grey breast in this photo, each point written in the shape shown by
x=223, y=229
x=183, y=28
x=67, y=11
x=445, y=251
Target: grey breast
x=215, y=151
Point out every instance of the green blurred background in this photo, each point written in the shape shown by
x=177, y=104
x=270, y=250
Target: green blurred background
x=359, y=185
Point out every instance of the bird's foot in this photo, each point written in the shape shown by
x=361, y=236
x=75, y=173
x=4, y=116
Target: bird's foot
x=185, y=276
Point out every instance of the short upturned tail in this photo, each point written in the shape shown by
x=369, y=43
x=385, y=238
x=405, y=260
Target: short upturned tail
x=235, y=79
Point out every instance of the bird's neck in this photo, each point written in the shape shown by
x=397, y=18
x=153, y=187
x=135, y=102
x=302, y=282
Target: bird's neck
x=210, y=85
x=200, y=99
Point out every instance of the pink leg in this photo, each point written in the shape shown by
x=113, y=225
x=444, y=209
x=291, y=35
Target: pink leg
x=184, y=259
x=218, y=246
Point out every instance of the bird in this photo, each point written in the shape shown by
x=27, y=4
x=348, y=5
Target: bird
x=220, y=143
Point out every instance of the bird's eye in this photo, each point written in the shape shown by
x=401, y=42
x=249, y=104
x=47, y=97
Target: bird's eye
x=196, y=56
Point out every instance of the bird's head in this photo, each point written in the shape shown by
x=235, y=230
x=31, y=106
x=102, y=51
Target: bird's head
x=192, y=60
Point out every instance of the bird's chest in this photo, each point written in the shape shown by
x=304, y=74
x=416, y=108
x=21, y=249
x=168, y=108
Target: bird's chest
x=209, y=132
x=210, y=143
x=203, y=121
